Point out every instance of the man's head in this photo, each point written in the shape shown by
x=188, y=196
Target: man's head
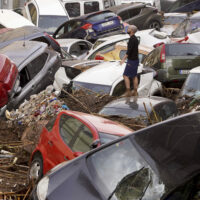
x=132, y=30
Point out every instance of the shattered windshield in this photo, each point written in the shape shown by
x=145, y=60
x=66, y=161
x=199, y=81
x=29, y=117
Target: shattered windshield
x=186, y=27
x=191, y=86
x=124, y=174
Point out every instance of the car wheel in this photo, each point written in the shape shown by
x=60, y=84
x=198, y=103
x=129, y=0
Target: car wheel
x=36, y=169
x=154, y=24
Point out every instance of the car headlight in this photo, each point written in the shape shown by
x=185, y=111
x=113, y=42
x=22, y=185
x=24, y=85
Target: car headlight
x=42, y=188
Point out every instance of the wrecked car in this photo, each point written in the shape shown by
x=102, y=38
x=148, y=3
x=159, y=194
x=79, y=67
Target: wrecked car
x=172, y=62
x=69, y=135
x=37, y=65
x=9, y=81
x=151, y=164
x=150, y=109
x=91, y=26
x=70, y=69
x=28, y=33
x=118, y=51
x=76, y=47
x=191, y=86
x=107, y=78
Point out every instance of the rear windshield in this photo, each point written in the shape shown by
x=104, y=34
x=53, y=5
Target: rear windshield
x=100, y=16
x=182, y=49
x=49, y=23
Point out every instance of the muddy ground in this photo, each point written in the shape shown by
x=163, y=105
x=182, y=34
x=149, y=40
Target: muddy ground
x=17, y=141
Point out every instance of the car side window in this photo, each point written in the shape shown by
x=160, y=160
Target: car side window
x=134, y=12
x=122, y=54
x=83, y=140
x=149, y=60
x=75, y=50
x=124, y=15
x=33, y=13
x=68, y=128
x=73, y=25
x=50, y=124
x=119, y=89
x=35, y=66
x=73, y=9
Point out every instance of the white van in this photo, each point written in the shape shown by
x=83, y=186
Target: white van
x=77, y=8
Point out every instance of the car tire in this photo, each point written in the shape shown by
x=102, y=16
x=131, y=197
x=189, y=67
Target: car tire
x=36, y=168
x=154, y=25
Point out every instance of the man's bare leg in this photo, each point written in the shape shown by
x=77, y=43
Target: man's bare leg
x=127, y=84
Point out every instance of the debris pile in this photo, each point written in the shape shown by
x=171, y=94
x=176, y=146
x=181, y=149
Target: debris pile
x=40, y=106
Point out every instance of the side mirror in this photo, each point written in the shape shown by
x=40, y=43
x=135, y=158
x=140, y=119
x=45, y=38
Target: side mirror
x=95, y=144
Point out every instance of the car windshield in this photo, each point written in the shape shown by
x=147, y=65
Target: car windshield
x=187, y=26
x=106, y=138
x=115, y=111
x=174, y=19
x=191, y=86
x=49, y=23
x=102, y=89
x=124, y=174
x=100, y=16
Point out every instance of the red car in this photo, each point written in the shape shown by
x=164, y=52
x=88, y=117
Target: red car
x=69, y=135
x=8, y=81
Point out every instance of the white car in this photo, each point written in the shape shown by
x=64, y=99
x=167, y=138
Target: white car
x=46, y=14
x=10, y=19
x=191, y=86
x=70, y=69
x=76, y=47
x=104, y=43
x=151, y=37
x=149, y=2
x=107, y=78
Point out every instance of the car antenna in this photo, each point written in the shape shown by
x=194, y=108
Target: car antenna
x=24, y=40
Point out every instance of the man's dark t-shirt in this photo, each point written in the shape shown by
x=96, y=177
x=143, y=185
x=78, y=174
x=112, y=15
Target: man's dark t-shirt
x=132, y=51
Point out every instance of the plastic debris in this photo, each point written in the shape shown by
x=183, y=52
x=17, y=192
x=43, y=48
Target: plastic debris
x=40, y=106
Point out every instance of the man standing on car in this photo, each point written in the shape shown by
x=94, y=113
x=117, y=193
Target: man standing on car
x=132, y=63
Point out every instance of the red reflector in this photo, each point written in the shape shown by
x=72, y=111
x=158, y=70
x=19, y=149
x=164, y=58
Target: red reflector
x=162, y=54
x=98, y=57
x=86, y=26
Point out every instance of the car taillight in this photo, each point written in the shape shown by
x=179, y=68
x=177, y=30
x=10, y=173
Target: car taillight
x=98, y=57
x=87, y=26
x=162, y=54
x=3, y=95
x=52, y=39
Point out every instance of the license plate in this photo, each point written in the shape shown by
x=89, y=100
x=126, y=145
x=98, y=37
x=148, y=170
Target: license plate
x=107, y=23
x=184, y=71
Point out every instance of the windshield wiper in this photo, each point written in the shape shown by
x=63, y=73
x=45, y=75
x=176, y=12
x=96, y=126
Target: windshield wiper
x=123, y=179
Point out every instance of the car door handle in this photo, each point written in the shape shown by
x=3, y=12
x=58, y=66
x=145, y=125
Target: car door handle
x=50, y=143
x=66, y=158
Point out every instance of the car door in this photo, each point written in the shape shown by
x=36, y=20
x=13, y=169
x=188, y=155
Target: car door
x=72, y=139
x=30, y=80
x=32, y=12
x=134, y=17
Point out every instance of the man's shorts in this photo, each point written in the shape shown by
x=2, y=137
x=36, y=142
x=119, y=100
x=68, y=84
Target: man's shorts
x=131, y=68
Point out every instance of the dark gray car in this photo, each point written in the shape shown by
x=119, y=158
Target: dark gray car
x=140, y=15
x=160, y=162
x=36, y=64
x=135, y=107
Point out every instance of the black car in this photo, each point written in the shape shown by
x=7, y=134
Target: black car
x=91, y=26
x=28, y=33
x=160, y=162
x=158, y=108
x=140, y=15
x=37, y=65
x=172, y=62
